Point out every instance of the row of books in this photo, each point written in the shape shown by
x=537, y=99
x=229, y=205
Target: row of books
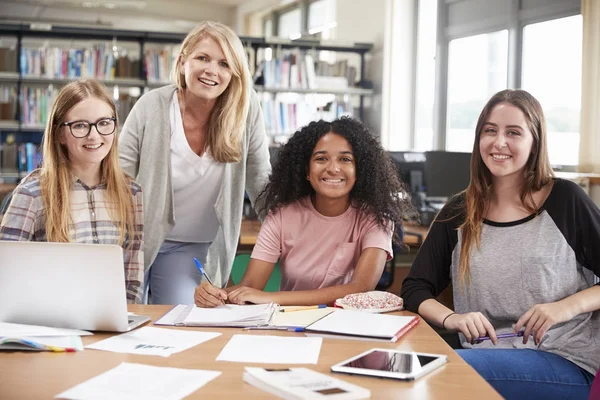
x=299, y=70
x=19, y=157
x=36, y=103
x=159, y=63
x=99, y=61
x=283, y=117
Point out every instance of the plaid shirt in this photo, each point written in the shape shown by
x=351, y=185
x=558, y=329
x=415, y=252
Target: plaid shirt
x=25, y=220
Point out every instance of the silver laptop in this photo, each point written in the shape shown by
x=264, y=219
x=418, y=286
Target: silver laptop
x=64, y=285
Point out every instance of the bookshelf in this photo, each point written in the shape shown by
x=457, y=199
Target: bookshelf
x=37, y=59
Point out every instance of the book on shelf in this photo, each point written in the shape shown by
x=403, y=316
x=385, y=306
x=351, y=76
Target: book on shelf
x=98, y=61
x=302, y=383
x=159, y=63
x=8, y=59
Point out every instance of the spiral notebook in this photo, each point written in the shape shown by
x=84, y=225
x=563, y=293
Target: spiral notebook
x=228, y=315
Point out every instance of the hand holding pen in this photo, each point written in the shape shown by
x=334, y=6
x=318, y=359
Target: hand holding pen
x=206, y=294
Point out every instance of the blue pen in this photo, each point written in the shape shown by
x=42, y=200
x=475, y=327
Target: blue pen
x=275, y=328
x=199, y=266
x=501, y=336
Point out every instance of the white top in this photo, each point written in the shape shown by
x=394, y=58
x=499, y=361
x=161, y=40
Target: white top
x=196, y=183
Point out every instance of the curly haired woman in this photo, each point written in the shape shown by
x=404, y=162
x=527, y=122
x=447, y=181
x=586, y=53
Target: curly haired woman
x=333, y=200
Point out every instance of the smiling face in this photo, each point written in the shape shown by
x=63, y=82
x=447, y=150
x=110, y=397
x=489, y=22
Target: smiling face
x=87, y=153
x=506, y=142
x=206, y=70
x=332, y=168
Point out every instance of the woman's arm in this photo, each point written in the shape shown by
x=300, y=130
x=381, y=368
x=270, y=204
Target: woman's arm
x=129, y=142
x=365, y=277
x=258, y=164
x=134, y=255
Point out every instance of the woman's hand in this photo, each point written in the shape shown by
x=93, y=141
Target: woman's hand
x=208, y=296
x=245, y=294
x=541, y=317
x=472, y=325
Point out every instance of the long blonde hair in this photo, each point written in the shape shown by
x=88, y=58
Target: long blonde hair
x=56, y=178
x=538, y=172
x=228, y=118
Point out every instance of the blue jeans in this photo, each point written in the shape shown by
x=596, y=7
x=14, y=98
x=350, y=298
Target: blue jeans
x=173, y=276
x=529, y=374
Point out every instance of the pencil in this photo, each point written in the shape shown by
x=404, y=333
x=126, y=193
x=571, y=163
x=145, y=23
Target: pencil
x=303, y=308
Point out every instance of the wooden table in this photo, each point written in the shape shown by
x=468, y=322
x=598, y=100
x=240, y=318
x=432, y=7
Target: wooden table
x=30, y=375
x=250, y=228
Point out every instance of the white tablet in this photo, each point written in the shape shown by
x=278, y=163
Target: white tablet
x=389, y=363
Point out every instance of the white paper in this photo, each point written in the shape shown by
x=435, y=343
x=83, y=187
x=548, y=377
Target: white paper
x=300, y=319
x=153, y=341
x=272, y=349
x=137, y=381
x=18, y=330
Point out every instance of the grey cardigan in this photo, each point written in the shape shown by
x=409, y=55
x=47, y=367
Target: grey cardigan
x=145, y=154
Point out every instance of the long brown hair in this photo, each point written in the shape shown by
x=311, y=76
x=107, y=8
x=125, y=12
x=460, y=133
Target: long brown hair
x=227, y=121
x=538, y=172
x=56, y=178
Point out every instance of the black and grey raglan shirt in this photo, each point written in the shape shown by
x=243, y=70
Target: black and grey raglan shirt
x=539, y=259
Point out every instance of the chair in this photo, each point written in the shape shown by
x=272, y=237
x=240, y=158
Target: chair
x=240, y=263
x=387, y=277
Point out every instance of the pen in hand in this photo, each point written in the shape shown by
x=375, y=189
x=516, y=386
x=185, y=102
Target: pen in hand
x=201, y=269
x=501, y=336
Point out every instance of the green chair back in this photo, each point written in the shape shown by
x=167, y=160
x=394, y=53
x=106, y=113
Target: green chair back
x=240, y=263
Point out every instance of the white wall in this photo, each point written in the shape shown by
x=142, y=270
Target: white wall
x=166, y=17
x=364, y=21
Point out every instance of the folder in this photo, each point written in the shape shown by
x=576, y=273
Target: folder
x=365, y=325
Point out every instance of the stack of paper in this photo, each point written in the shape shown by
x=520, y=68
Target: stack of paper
x=40, y=338
x=229, y=315
x=303, y=383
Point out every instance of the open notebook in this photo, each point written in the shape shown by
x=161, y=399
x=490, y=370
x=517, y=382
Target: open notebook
x=229, y=315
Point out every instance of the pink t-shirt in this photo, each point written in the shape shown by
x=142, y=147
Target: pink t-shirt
x=316, y=251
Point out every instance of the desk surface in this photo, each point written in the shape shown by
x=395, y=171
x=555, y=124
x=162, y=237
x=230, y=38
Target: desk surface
x=250, y=228
x=30, y=375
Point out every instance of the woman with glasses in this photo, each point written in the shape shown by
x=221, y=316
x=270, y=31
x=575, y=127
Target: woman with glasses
x=195, y=147
x=80, y=194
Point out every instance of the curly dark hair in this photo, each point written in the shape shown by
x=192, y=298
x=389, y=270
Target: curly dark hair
x=378, y=190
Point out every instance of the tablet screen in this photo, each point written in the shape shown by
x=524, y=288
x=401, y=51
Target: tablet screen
x=391, y=361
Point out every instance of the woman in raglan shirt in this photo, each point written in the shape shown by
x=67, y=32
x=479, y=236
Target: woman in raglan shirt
x=522, y=250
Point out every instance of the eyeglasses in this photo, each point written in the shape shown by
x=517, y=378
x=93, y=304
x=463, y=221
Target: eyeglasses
x=81, y=129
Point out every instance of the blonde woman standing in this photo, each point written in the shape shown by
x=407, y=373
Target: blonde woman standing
x=80, y=194
x=195, y=147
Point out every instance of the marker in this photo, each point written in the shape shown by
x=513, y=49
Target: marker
x=275, y=328
x=199, y=266
x=303, y=308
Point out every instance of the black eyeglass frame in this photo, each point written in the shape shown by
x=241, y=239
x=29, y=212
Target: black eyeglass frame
x=90, y=124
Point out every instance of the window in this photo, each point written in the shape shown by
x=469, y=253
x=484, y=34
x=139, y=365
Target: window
x=321, y=18
x=289, y=25
x=552, y=74
x=477, y=68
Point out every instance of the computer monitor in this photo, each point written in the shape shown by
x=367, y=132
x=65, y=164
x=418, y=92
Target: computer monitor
x=446, y=173
x=411, y=168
